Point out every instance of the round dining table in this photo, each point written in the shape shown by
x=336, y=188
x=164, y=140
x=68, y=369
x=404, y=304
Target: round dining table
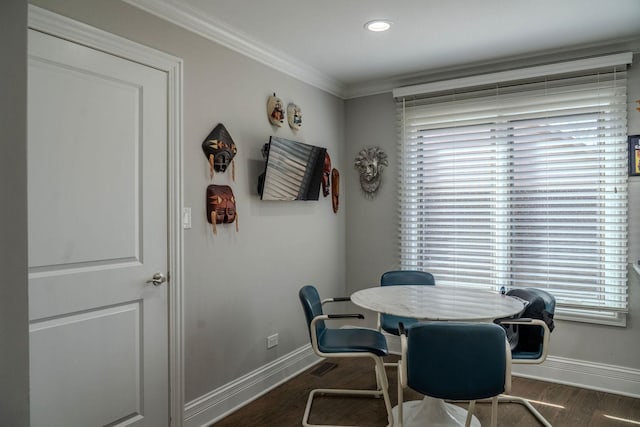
x=437, y=303
x=444, y=303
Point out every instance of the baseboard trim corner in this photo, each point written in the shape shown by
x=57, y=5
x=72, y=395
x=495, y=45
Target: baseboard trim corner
x=217, y=404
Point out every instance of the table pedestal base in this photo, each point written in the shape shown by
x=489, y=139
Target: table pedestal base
x=433, y=413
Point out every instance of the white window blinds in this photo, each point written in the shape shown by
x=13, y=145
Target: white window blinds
x=520, y=184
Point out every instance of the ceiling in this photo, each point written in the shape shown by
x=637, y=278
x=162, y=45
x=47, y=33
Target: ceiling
x=325, y=44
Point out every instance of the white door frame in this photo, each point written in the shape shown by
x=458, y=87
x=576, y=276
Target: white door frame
x=57, y=25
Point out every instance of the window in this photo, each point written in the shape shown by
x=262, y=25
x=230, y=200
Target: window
x=521, y=184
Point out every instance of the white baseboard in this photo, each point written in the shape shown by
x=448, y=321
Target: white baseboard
x=579, y=373
x=217, y=404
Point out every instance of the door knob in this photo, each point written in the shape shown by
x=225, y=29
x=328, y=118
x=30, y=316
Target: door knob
x=157, y=279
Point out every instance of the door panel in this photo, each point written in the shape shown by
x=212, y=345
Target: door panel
x=74, y=351
x=75, y=143
x=97, y=192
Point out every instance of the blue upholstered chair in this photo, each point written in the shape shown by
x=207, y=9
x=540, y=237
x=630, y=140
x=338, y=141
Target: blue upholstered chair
x=351, y=342
x=454, y=361
x=529, y=336
x=388, y=322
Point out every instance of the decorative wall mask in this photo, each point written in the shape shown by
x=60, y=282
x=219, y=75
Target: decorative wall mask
x=220, y=150
x=275, y=110
x=335, y=189
x=326, y=175
x=294, y=115
x=370, y=162
x=221, y=206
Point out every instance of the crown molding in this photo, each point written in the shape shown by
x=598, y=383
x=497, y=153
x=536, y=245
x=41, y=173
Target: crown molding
x=376, y=87
x=191, y=20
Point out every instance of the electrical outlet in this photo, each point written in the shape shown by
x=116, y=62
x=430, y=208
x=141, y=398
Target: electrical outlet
x=272, y=341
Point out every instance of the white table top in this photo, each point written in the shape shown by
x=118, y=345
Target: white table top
x=438, y=302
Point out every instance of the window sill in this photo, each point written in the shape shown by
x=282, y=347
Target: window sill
x=587, y=316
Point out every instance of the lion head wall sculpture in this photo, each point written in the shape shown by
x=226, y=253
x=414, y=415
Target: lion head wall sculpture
x=370, y=163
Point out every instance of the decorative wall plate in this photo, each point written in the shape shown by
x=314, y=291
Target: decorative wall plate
x=294, y=115
x=275, y=110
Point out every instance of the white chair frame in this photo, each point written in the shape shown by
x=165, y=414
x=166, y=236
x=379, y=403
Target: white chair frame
x=506, y=398
x=381, y=377
x=387, y=336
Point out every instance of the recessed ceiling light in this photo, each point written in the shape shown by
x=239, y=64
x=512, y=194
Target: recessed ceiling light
x=378, y=25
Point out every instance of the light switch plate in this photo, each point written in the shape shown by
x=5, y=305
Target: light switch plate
x=186, y=218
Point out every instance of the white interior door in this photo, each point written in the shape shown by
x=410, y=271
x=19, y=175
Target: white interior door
x=97, y=192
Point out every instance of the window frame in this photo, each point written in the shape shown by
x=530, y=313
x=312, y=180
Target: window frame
x=617, y=318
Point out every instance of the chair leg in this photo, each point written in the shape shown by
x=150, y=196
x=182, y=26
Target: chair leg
x=383, y=386
x=400, y=420
x=505, y=398
x=522, y=401
x=472, y=407
x=333, y=392
x=494, y=411
x=382, y=389
x=378, y=385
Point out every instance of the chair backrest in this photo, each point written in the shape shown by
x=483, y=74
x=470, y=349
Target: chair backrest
x=541, y=305
x=312, y=306
x=458, y=361
x=407, y=277
x=387, y=322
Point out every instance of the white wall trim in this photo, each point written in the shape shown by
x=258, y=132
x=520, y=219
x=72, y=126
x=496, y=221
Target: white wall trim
x=579, y=373
x=194, y=21
x=218, y=403
x=60, y=26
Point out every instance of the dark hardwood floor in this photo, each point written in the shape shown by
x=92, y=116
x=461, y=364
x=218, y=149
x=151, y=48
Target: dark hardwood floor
x=564, y=406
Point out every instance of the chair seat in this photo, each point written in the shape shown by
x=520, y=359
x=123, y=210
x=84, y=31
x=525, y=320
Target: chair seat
x=352, y=341
x=389, y=323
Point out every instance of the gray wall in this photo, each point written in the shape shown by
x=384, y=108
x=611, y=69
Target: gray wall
x=239, y=287
x=242, y=287
x=372, y=241
x=14, y=356
x=372, y=234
